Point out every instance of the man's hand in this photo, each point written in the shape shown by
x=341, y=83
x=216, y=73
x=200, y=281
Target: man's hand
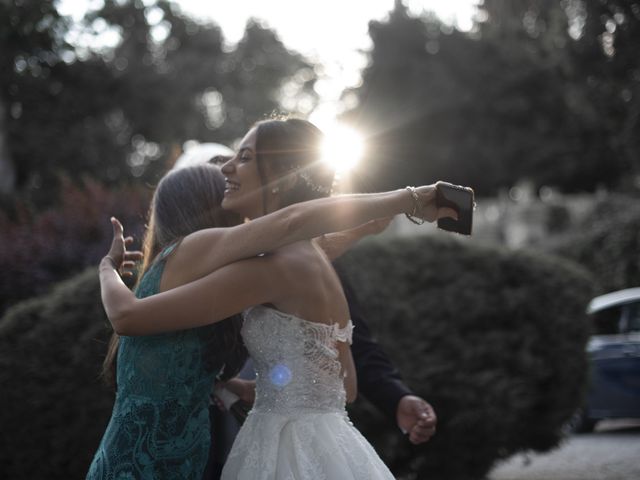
x=337, y=243
x=416, y=418
x=244, y=389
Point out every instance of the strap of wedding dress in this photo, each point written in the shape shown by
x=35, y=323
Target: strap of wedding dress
x=344, y=334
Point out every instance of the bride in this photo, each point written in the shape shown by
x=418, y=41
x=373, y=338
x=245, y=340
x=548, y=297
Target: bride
x=296, y=322
x=299, y=344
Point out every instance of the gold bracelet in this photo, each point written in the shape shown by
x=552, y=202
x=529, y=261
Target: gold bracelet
x=416, y=206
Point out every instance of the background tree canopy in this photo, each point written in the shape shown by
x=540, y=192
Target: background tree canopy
x=547, y=91
x=119, y=112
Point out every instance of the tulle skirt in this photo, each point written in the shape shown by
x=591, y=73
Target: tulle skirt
x=309, y=446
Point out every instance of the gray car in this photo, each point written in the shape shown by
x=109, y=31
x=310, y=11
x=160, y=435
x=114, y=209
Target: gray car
x=614, y=350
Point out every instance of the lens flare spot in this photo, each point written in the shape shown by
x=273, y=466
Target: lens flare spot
x=280, y=375
x=342, y=148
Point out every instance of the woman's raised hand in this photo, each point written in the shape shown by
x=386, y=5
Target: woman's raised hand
x=122, y=260
x=426, y=207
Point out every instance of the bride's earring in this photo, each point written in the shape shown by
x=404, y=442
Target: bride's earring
x=275, y=190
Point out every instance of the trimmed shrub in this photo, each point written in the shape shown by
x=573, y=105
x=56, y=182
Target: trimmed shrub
x=607, y=243
x=495, y=340
x=39, y=249
x=54, y=407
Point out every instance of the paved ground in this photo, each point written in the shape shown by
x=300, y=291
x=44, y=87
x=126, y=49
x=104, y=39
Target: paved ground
x=612, y=452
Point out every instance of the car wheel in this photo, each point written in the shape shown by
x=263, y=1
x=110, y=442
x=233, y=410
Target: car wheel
x=581, y=422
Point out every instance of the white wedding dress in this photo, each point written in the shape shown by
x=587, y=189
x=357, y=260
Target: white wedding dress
x=298, y=428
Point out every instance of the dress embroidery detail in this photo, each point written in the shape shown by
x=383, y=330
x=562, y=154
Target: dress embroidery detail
x=298, y=428
x=159, y=427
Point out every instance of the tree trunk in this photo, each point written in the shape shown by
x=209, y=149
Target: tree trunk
x=7, y=171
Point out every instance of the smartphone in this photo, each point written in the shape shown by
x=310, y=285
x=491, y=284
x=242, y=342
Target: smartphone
x=462, y=200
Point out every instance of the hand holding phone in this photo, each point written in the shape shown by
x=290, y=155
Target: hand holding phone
x=462, y=200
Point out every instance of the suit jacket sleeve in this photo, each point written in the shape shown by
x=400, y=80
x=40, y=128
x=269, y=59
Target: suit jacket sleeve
x=378, y=380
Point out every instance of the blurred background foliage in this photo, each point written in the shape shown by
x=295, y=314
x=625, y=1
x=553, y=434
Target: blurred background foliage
x=547, y=91
x=606, y=242
x=118, y=114
x=41, y=248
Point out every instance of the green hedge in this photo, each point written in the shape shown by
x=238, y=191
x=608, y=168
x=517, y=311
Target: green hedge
x=53, y=406
x=494, y=340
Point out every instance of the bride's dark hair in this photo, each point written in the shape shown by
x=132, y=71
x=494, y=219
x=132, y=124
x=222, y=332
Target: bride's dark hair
x=292, y=146
x=187, y=200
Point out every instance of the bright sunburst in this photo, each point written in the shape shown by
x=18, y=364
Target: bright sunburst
x=342, y=148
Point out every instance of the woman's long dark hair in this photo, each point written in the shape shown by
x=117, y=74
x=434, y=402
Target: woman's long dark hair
x=187, y=200
x=292, y=146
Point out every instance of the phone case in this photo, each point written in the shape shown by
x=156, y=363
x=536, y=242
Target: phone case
x=461, y=199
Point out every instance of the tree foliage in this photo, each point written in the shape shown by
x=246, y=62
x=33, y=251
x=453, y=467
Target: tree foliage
x=606, y=242
x=545, y=91
x=40, y=248
x=50, y=376
x=120, y=110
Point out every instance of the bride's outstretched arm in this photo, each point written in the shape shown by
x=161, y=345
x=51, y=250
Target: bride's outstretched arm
x=205, y=251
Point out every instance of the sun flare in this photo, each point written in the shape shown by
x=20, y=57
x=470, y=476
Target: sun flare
x=342, y=148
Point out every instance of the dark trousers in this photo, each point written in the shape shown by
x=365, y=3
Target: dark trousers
x=224, y=428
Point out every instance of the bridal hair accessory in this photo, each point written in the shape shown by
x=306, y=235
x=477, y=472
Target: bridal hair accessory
x=313, y=185
x=416, y=206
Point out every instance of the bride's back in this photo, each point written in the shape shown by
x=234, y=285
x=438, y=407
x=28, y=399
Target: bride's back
x=316, y=293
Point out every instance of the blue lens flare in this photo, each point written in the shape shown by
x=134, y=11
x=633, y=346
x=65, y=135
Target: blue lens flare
x=280, y=375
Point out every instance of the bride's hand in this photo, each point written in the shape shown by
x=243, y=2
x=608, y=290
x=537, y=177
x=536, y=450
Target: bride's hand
x=427, y=209
x=122, y=260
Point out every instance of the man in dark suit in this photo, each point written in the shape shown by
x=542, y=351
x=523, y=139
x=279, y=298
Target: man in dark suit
x=380, y=382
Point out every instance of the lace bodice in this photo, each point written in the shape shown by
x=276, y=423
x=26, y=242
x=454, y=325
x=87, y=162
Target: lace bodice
x=296, y=361
x=298, y=428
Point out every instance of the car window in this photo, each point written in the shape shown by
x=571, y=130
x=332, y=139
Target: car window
x=633, y=317
x=607, y=321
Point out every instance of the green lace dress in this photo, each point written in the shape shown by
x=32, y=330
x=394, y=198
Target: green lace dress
x=159, y=428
